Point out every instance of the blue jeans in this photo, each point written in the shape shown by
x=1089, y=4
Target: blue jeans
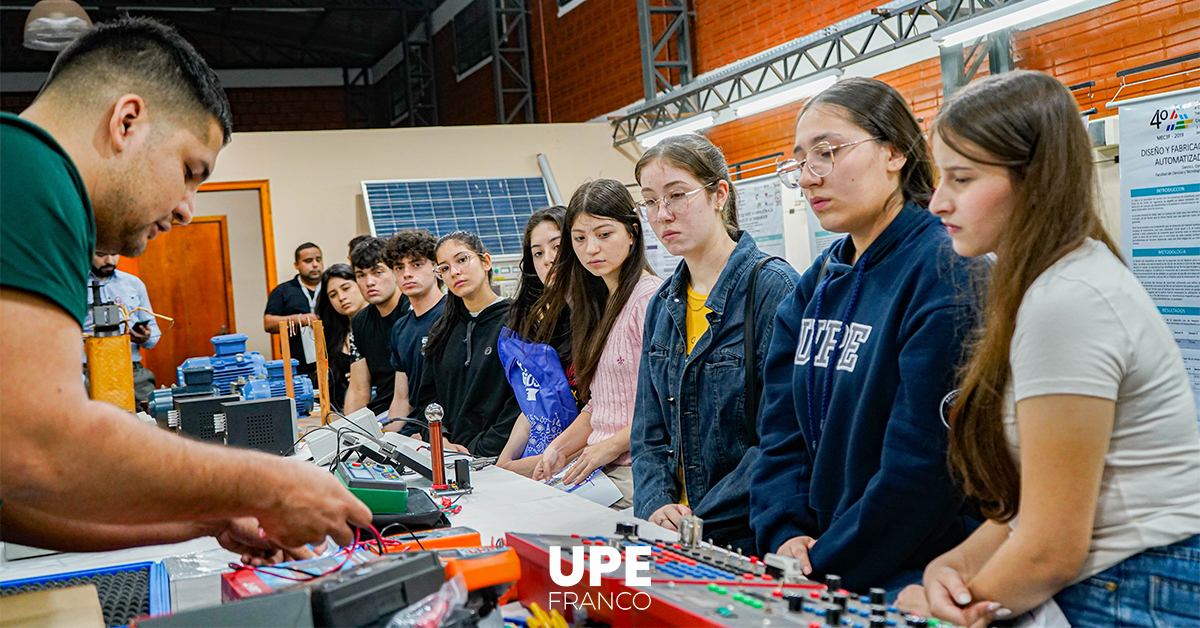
x=1159, y=587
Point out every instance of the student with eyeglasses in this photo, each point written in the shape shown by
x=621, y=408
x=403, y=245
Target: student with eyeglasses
x=462, y=370
x=852, y=478
x=605, y=278
x=695, y=441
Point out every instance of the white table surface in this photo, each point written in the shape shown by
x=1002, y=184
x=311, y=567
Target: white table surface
x=501, y=502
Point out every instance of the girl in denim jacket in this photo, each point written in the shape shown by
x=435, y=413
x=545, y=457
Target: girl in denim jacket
x=694, y=443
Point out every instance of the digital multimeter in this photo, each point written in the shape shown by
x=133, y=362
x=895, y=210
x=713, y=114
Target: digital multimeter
x=379, y=487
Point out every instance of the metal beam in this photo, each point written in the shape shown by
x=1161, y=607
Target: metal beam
x=867, y=35
x=511, y=76
x=666, y=56
x=256, y=5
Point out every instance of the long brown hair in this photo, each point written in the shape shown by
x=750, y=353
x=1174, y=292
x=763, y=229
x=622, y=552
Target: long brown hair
x=593, y=309
x=1029, y=123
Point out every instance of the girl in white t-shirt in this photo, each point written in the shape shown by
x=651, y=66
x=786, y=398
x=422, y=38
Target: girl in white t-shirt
x=1075, y=426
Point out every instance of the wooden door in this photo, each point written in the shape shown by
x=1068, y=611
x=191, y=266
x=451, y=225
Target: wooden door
x=188, y=277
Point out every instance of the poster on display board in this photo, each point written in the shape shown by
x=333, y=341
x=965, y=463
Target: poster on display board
x=1160, y=210
x=760, y=213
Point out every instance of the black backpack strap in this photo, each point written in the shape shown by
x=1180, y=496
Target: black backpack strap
x=751, y=355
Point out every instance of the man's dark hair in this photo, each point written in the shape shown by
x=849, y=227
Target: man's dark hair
x=306, y=245
x=356, y=240
x=368, y=253
x=410, y=243
x=145, y=57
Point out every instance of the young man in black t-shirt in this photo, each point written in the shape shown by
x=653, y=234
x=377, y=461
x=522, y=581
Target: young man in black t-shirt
x=411, y=255
x=371, y=330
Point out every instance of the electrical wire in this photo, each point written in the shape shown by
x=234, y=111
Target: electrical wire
x=406, y=529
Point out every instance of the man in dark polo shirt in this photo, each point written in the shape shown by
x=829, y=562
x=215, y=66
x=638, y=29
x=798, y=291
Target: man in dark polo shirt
x=294, y=300
x=110, y=154
x=372, y=379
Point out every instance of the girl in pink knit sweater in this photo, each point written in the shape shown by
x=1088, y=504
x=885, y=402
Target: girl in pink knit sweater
x=605, y=278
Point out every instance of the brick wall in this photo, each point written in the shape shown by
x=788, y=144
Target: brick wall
x=16, y=102
x=728, y=30
x=1093, y=45
x=287, y=108
x=471, y=101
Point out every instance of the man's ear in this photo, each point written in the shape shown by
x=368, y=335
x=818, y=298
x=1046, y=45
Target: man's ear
x=129, y=124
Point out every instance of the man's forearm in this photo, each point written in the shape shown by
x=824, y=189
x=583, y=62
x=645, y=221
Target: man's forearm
x=32, y=527
x=271, y=322
x=63, y=472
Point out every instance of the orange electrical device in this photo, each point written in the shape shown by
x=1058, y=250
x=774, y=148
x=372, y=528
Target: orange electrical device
x=445, y=538
x=482, y=567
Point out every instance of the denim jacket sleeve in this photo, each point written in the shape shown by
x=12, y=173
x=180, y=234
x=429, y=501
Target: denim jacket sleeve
x=650, y=444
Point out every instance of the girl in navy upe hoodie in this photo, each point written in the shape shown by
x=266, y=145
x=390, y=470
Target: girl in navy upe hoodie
x=853, y=477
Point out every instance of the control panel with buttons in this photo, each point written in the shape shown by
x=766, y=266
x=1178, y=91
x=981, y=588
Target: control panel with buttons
x=380, y=487
x=699, y=584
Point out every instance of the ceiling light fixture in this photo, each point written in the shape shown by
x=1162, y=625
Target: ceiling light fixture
x=695, y=123
x=53, y=24
x=999, y=19
x=786, y=93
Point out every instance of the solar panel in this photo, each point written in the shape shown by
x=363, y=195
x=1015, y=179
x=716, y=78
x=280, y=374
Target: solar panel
x=495, y=209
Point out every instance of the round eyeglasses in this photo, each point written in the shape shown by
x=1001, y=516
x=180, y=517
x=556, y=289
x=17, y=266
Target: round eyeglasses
x=460, y=262
x=818, y=160
x=678, y=200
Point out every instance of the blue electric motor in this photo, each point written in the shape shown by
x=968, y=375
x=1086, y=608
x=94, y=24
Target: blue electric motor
x=275, y=386
x=229, y=363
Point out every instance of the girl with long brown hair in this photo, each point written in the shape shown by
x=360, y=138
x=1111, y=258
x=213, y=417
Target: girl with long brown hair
x=1075, y=414
x=605, y=278
x=539, y=373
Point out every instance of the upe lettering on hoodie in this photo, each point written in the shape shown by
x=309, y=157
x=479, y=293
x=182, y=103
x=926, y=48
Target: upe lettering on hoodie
x=823, y=335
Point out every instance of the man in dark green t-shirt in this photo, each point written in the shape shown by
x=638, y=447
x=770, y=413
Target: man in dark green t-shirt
x=110, y=154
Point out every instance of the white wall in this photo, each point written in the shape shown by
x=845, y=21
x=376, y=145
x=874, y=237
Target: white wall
x=315, y=176
x=249, y=274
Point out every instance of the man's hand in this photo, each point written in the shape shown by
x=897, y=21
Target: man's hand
x=797, y=547
x=307, y=506
x=139, y=333
x=449, y=446
x=307, y=319
x=668, y=516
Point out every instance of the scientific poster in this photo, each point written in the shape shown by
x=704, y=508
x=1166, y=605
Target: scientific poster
x=1160, y=210
x=760, y=212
